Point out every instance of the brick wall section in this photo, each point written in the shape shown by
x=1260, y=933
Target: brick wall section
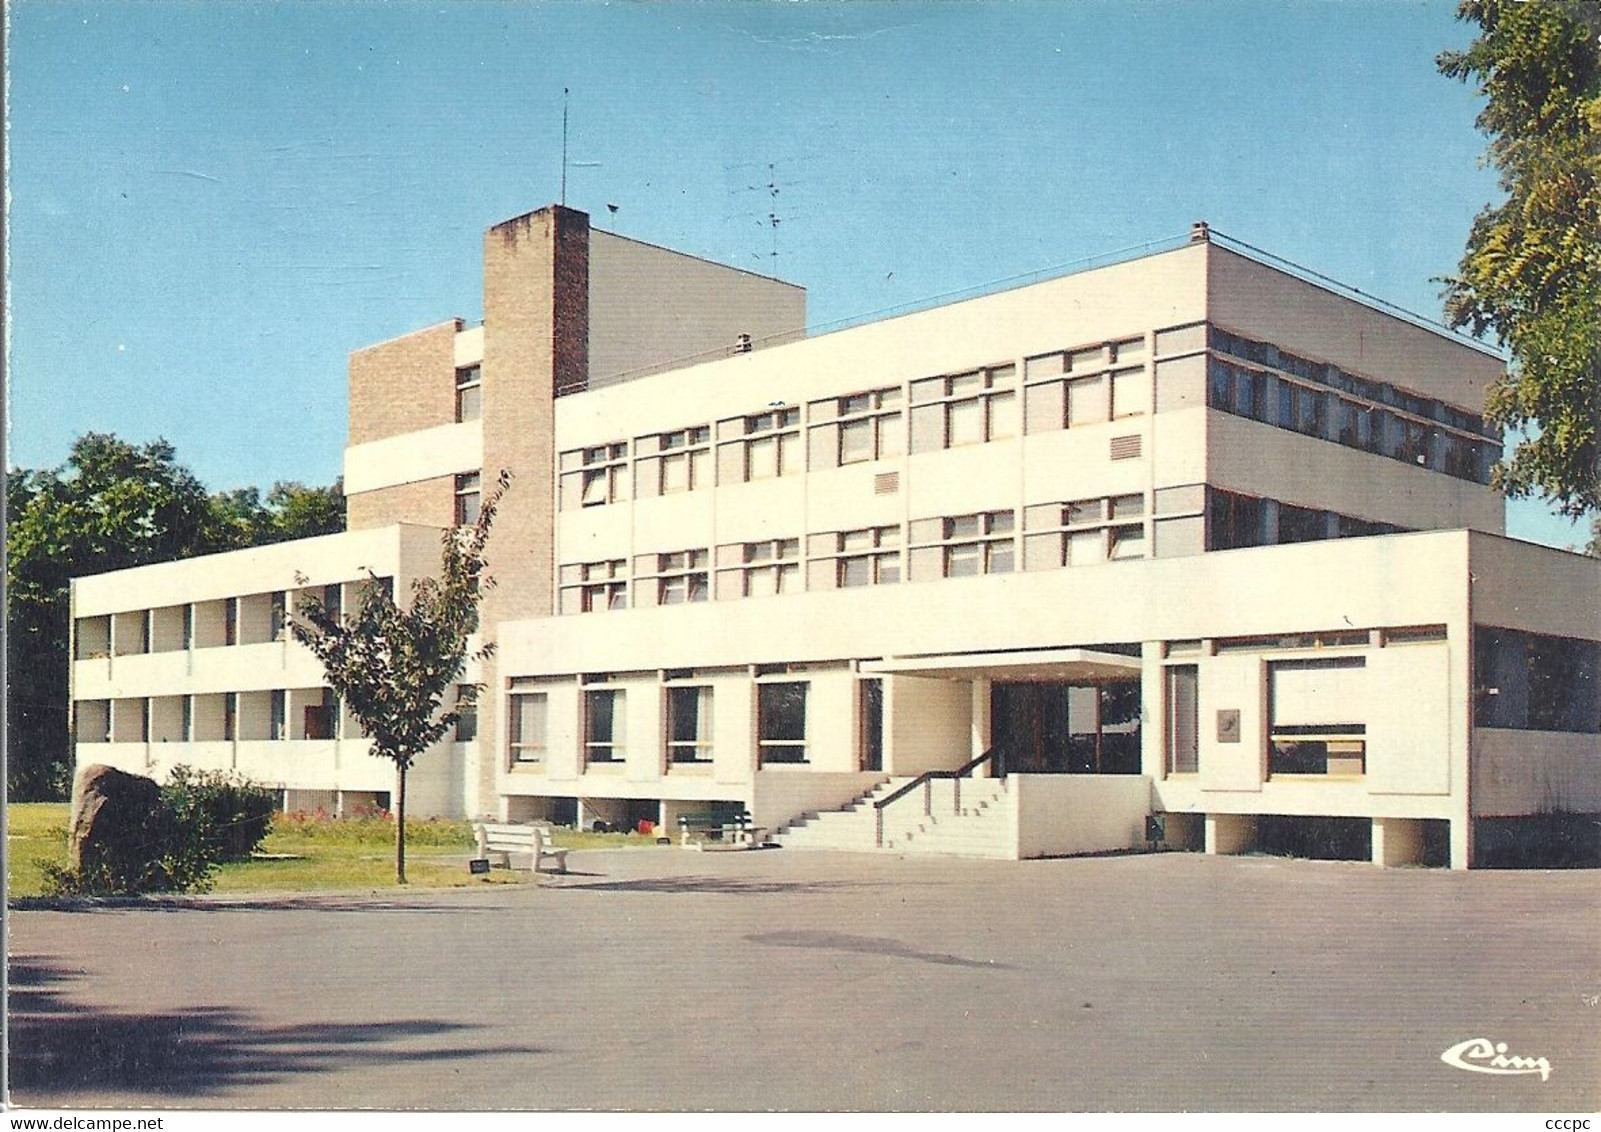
x=404, y=384
x=431, y=503
x=536, y=333
x=570, y=333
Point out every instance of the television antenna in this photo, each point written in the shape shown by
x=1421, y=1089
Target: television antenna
x=770, y=217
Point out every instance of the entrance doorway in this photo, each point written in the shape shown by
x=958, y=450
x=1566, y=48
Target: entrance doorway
x=1048, y=727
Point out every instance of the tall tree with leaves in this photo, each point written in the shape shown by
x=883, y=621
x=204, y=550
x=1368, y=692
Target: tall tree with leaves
x=391, y=666
x=1532, y=269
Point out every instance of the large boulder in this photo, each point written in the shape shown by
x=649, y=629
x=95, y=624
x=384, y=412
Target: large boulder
x=116, y=834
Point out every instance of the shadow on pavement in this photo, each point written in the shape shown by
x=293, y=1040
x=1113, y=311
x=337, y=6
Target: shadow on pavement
x=61, y=1048
x=870, y=945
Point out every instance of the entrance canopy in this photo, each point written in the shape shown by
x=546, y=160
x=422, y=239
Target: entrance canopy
x=1067, y=665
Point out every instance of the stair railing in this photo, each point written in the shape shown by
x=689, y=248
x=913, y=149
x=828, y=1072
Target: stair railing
x=926, y=781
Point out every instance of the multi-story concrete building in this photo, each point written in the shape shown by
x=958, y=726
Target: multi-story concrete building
x=1188, y=535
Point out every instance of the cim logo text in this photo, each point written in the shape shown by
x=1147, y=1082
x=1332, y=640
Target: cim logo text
x=1481, y=1055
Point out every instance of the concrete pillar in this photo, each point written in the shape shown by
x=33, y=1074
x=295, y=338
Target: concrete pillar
x=1397, y=841
x=1230, y=833
x=981, y=723
x=1461, y=842
x=670, y=809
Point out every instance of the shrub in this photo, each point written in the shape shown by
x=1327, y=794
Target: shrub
x=230, y=812
x=202, y=818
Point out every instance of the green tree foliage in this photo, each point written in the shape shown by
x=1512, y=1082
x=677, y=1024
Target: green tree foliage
x=291, y=510
x=110, y=506
x=1532, y=269
x=392, y=665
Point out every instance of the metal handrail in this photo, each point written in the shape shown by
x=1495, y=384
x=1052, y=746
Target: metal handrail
x=926, y=781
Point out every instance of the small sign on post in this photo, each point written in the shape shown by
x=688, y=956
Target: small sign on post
x=478, y=866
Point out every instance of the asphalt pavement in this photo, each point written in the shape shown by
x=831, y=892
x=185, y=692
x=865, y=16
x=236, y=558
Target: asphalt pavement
x=657, y=979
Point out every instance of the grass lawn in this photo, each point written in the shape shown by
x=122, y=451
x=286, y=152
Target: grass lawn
x=303, y=853
x=35, y=832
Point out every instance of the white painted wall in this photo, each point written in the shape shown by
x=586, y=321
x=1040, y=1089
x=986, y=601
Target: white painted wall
x=780, y=798
x=649, y=306
x=1410, y=744
x=927, y=724
x=412, y=457
x=1058, y=815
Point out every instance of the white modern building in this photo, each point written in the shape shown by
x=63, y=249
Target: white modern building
x=1189, y=536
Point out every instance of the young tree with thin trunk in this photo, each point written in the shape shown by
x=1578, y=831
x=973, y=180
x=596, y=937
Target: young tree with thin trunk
x=391, y=666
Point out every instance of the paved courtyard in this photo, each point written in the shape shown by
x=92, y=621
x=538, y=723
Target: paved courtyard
x=659, y=979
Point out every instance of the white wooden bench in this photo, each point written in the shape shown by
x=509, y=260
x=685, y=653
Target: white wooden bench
x=505, y=839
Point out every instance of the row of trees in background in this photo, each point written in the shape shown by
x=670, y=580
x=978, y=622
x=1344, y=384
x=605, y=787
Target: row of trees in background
x=110, y=506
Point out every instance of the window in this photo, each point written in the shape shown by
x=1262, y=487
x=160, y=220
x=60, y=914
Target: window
x=759, y=446
x=605, y=733
x=671, y=462
x=468, y=498
x=1347, y=410
x=855, y=429
x=469, y=393
x=278, y=715
x=321, y=719
x=1534, y=682
x=1301, y=524
x=689, y=725
x=1083, y=532
x=277, y=616
x=591, y=587
x=1181, y=339
x=1313, y=705
x=758, y=569
x=593, y=477
x=1131, y=393
x=1413, y=443
x=781, y=723
x=869, y=556
x=1070, y=389
x=529, y=714
x=1234, y=521
x=870, y=723
x=466, y=713
x=963, y=546
x=964, y=408
x=680, y=577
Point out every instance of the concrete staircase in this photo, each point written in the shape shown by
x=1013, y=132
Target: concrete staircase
x=982, y=827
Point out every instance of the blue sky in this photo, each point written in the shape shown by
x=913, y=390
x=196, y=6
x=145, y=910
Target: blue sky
x=212, y=204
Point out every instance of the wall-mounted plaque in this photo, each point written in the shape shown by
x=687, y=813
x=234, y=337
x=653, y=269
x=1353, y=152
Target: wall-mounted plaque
x=1228, y=725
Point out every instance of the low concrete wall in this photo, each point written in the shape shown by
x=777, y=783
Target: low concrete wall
x=1535, y=772
x=779, y=797
x=1058, y=815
